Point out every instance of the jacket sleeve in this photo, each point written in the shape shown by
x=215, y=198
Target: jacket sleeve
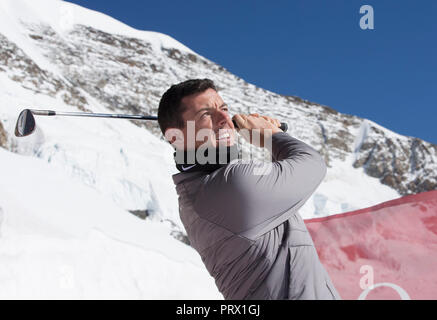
x=260, y=195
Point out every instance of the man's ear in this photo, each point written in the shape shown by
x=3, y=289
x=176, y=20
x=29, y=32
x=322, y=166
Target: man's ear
x=175, y=137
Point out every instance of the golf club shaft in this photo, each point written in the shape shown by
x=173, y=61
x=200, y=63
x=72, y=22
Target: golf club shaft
x=87, y=114
x=283, y=127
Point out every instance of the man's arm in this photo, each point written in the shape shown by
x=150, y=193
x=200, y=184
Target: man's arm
x=254, y=203
x=250, y=204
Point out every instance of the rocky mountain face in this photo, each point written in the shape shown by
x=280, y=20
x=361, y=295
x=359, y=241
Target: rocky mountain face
x=129, y=75
x=3, y=136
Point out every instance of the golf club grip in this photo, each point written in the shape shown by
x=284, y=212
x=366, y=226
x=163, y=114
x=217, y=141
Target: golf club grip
x=283, y=126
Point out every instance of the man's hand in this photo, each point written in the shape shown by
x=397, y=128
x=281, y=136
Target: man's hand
x=255, y=128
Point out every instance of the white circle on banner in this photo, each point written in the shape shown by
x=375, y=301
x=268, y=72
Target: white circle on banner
x=402, y=293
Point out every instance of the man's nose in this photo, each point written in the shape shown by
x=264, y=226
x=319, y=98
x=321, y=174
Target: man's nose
x=221, y=118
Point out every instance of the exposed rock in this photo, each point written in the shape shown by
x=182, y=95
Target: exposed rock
x=142, y=214
x=3, y=136
x=181, y=237
x=407, y=165
x=129, y=75
x=31, y=76
x=176, y=233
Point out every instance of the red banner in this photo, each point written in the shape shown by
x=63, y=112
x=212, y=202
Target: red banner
x=388, y=251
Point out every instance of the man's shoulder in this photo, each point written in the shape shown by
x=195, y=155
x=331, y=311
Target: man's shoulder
x=247, y=171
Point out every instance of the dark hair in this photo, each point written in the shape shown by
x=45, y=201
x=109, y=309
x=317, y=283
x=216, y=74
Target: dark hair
x=171, y=106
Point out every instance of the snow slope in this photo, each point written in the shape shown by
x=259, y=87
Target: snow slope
x=65, y=190
x=61, y=239
x=115, y=157
x=62, y=16
x=126, y=163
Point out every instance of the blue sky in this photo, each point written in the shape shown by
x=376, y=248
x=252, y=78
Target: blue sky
x=314, y=49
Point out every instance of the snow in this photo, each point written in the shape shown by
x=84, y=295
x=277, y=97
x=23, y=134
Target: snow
x=345, y=189
x=61, y=239
x=361, y=135
x=62, y=16
x=11, y=27
x=100, y=153
x=65, y=231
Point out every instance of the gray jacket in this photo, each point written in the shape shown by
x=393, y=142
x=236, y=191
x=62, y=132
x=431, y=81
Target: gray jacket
x=247, y=228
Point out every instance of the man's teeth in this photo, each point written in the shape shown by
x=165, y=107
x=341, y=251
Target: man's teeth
x=223, y=136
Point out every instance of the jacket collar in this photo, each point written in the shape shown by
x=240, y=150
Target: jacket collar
x=221, y=157
x=185, y=176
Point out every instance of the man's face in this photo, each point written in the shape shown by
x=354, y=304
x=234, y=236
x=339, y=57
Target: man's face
x=206, y=115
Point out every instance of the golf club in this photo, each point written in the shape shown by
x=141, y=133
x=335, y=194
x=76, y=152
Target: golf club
x=26, y=120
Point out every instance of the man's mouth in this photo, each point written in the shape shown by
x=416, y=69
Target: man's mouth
x=224, y=136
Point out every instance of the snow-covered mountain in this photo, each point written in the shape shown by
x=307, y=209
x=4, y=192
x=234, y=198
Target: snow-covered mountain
x=60, y=56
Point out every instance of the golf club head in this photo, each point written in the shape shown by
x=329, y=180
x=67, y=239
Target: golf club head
x=25, y=123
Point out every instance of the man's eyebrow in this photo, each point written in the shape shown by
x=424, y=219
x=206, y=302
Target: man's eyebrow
x=209, y=108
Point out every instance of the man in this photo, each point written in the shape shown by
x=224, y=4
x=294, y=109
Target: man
x=245, y=225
